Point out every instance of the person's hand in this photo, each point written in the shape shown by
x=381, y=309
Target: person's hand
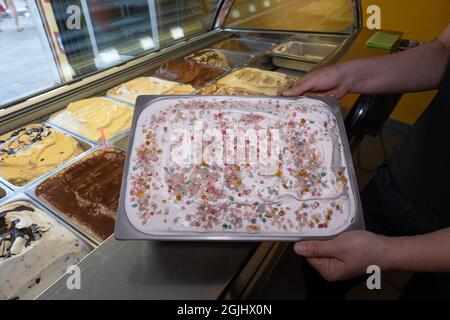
x=333, y=81
x=345, y=257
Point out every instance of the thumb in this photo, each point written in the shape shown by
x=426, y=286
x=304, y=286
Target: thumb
x=315, y=249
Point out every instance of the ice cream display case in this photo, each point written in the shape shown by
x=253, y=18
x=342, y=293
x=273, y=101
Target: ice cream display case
x=63, y=150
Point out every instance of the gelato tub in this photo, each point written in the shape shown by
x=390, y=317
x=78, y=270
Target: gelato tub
x=31, y=151
x=87, y=192
x=130, y=90
x=35, y=249
x=94, y=118
x=309, y=51
x=261, y=81
x=188, y=72
x=237, y=168
x=300, y=55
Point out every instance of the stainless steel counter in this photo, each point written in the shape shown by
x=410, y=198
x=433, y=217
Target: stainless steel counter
x=156, y=270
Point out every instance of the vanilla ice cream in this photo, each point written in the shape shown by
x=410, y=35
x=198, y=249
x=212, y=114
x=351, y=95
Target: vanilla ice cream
x=261, y=81
x=95, y=117
x=130, y=90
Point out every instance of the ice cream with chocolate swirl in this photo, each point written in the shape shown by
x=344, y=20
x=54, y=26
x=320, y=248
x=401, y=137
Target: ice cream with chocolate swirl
x=210, y=57
x=31, y=151
x=35, y=250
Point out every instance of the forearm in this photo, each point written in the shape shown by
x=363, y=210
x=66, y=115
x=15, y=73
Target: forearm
x=417, y=69
x=424, y=253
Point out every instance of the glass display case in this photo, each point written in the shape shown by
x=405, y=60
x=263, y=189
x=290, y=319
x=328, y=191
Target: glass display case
x=120, y=49
x=87, y=37
x=111, y=32
x=326, y=16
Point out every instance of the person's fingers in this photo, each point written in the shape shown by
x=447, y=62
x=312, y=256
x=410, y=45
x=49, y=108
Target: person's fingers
x=329, y=268
x=322, y=265
x=337, y=93
x=315, y=249
x=296, y=90
x=319, y=94
x=300, y=87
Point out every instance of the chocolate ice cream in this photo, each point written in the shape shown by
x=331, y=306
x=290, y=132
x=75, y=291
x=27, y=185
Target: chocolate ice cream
x=88, y=191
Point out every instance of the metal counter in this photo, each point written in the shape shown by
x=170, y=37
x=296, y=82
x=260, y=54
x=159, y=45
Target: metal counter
x=156, y=270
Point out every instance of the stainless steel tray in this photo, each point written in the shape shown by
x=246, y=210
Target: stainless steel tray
x=320, y=38
x=85, y=145
x=301, y=55
x=126, y=231
x=303, y=66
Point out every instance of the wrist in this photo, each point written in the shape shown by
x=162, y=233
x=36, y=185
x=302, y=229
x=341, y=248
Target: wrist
x=391, y=247
x=349, y=75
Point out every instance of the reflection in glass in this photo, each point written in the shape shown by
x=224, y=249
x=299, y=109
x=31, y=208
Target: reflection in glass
x=116, y=30
x=109, y=33
x=178, y=19
x=334, y=16
x=119, y=24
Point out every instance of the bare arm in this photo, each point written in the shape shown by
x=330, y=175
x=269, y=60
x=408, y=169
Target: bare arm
x=425, y=253
x=417, y=69
x=351, y=253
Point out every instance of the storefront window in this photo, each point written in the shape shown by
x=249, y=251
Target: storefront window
x=48, y=43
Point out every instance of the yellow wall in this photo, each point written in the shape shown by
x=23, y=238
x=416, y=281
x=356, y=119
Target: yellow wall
x=420, y=20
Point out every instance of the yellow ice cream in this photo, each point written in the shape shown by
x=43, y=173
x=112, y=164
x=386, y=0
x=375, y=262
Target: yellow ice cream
x=260, y=81
x=31, y=151
x=90, y=117
x=130, y=90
